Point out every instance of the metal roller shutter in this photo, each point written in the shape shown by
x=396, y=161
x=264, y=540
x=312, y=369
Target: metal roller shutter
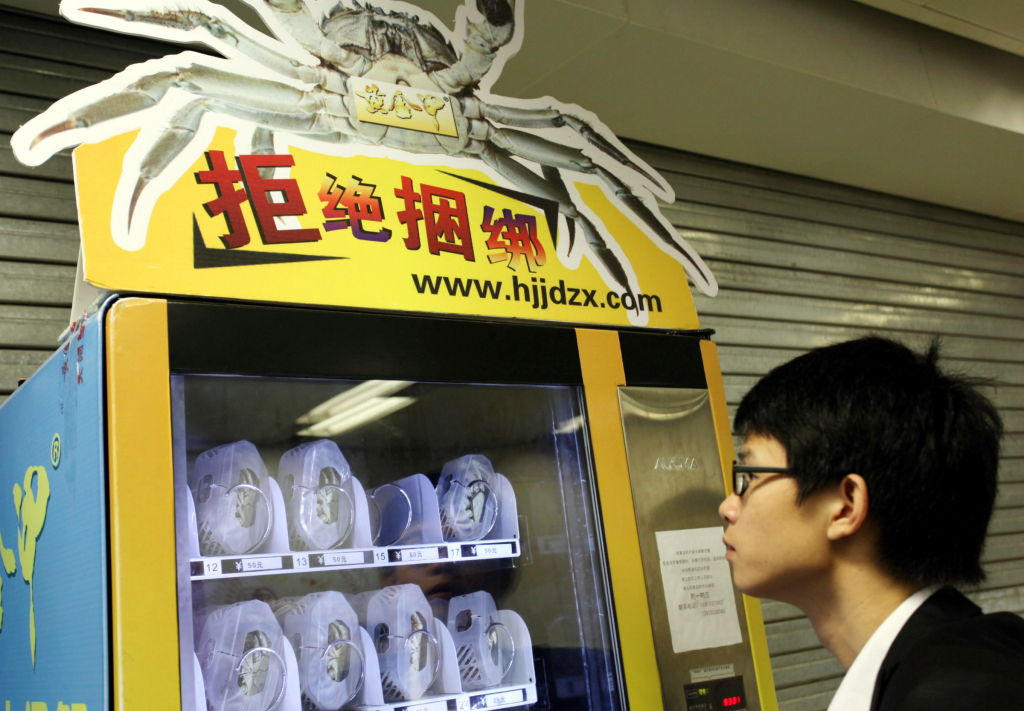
x=42, y=60
x=803, y=263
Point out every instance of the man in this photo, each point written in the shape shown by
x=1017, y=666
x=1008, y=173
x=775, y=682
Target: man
x=865, y=486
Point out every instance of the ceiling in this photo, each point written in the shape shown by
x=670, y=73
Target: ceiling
x=908, y=97
x=999, y=23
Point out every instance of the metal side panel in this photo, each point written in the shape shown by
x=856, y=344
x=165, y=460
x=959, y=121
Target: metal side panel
x=53, y=532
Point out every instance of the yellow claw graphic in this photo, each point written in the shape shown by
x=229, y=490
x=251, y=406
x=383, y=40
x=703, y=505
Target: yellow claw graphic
x=31, y=510
x=432, y=104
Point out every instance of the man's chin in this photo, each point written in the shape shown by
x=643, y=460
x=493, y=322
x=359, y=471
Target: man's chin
x=748, y=586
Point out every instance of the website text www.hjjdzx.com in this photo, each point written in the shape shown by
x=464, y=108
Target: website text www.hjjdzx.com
x=535, y=292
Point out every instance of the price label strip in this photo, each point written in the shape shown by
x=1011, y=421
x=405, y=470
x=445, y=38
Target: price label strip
x=200, y=568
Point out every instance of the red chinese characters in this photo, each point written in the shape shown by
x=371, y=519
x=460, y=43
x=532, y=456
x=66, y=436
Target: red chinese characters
x=444, y=215
x=516, y=236
x=437, y=214
x=256, y=190
x=351, y=206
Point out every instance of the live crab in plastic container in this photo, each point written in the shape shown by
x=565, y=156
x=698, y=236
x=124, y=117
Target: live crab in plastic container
x=241, y=654
x=467, y=498
x=316, y=482
x=233, y=509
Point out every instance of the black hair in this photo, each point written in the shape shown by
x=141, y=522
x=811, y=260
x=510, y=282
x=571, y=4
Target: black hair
x=926, y=442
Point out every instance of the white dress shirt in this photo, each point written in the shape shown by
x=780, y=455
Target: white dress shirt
x=855, y=693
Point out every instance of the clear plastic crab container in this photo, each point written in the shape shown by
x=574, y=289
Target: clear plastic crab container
x=485, y=648
x=467, y=499
x=316, y=482
x=391, y=514
x=360, y=602
x=234, y=509
x=400, y=622
x=325, y=634
x=242, y=657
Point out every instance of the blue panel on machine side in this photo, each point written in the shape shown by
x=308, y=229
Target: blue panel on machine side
x=54, y=563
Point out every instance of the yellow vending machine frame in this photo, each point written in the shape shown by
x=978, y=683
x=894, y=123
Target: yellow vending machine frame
x=144, y=561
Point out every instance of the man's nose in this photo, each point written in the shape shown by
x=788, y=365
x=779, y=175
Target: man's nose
x=729, y=509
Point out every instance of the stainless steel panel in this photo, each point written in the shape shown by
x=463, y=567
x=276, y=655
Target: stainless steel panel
x=674, y=469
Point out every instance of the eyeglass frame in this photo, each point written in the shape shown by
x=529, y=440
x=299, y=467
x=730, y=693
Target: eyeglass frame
x=741, y=483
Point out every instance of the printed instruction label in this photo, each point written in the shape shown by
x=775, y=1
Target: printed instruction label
x=699, y=594
x=719, y=671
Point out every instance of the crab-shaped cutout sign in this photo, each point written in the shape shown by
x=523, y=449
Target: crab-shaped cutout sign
x=352, y=79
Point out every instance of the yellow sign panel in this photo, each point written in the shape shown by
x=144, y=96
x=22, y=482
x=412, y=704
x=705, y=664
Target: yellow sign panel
x=404, y=107
x=367, y=231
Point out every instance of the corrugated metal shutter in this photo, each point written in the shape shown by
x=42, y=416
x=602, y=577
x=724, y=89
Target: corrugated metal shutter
x=41, y=60
x=804, y=263
x=801, y=264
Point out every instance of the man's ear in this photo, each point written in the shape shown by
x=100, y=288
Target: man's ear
x=851, y=513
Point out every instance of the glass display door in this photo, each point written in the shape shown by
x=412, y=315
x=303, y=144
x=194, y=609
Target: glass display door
x=373, y=544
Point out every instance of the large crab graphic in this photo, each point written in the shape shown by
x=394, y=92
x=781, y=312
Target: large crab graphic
x=304, y=84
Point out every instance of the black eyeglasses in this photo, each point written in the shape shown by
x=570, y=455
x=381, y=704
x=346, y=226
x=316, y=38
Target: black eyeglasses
x=741, y=475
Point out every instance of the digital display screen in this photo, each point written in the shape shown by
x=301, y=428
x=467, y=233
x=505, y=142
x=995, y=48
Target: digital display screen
x=716, y=695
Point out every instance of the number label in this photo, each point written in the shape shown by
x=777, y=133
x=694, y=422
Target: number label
x=212, y=567
x=380, y=555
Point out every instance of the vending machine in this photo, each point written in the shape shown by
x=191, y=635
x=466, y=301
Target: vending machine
x=260, y=507
x=304, y=448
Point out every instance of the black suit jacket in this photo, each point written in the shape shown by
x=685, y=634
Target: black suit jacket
x=950, y=657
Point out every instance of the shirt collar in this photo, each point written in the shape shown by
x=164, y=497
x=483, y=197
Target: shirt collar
x=854, y=693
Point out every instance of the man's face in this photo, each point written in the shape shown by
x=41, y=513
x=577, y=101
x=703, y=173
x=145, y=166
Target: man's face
x=775, y=546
